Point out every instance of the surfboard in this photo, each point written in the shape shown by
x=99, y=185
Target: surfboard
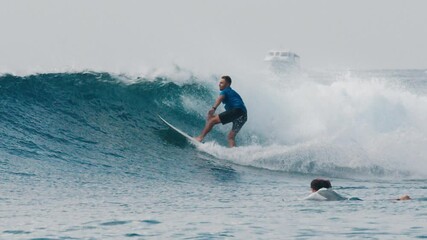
x=188, y=137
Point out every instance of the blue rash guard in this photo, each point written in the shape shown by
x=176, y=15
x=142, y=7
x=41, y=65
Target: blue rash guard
x=232, y=99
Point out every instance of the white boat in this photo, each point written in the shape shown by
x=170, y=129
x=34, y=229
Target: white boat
x=283, y=61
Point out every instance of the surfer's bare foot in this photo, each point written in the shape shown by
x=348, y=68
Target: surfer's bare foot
x=199, y=139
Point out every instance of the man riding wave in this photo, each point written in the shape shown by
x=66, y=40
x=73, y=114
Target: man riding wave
x=235, y=112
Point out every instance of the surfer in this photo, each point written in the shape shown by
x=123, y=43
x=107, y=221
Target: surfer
x=235, y=112
x=321, y=191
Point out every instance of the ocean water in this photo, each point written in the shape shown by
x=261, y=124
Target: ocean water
x=83, y=155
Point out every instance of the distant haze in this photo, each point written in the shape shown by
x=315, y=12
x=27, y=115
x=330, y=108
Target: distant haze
x=127, y=35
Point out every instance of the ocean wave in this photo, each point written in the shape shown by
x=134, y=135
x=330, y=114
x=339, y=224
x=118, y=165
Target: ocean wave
x=335, y=129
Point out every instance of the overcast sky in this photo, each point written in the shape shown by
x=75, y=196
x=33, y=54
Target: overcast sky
x=121, y=35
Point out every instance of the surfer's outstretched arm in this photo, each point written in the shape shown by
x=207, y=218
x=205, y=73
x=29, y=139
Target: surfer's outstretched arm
x=214, y=107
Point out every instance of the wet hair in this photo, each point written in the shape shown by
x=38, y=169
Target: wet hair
x=318, y=183
x=227, y=79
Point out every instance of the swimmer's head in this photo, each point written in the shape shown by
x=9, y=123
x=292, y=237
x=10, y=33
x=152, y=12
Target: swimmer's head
x=318, y=183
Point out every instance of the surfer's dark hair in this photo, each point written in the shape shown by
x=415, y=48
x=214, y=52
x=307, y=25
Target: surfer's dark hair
x=318, y=183
x=227, y=79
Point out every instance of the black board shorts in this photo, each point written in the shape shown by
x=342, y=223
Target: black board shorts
x=236, y=115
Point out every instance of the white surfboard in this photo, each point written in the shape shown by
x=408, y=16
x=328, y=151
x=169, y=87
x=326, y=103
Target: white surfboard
x=188, y=137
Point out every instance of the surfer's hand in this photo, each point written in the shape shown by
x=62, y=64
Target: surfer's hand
x=404, y=197
x=211, y=112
